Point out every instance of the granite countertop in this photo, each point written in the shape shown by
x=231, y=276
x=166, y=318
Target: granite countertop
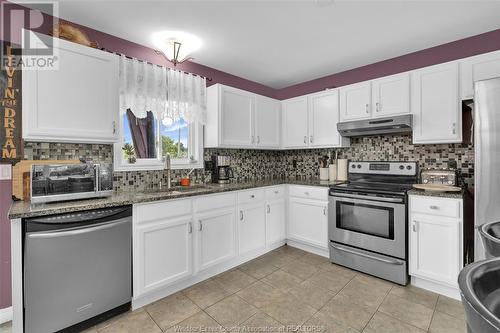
x=451, y=195
x=24, y=209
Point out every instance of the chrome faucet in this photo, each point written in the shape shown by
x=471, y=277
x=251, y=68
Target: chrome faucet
x=167, y=166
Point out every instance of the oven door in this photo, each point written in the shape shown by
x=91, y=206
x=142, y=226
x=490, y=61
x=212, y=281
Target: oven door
x=372, y=223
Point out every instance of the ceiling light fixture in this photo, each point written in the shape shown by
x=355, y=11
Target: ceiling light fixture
x=176, y=46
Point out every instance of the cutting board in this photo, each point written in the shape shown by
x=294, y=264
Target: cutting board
x=25, y=166
x=437, y=188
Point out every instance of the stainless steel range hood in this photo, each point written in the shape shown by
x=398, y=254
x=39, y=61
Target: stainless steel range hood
x=396, y=124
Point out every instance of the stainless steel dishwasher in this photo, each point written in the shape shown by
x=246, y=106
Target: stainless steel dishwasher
x=77, y=268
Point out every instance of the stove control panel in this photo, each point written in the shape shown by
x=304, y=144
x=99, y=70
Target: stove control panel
x=384, y=168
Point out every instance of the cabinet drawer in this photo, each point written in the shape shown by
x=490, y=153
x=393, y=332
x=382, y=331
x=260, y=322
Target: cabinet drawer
x=277, y=192
x=435, y=206
x=309, y=192
x=162, y=209
x=215, y=201
x=250, y=196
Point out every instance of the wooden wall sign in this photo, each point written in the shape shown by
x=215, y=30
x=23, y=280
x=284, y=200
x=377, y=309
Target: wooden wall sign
x=11, y=145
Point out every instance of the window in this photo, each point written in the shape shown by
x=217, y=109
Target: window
x=152, y=139
x=161, y=112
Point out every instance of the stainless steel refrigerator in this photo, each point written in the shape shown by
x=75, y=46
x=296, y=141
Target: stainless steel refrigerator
x=487, y=156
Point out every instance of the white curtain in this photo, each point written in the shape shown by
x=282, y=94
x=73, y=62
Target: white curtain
x=171, y=95
x=186, y=97
x=143, y=87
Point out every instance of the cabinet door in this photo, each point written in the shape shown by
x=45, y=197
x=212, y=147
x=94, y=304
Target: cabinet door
x=481, y=67
x=236, y=117
x=216, y=237
x=355, y=101
x=435, y=104
x=275, y=222
x=252, y=227
x=164, y=253
x=78, y=102
x=323, y=119
x=435, y=248
x=391, y=95
x=295, y=123
x=308, y=222
x=267, y=122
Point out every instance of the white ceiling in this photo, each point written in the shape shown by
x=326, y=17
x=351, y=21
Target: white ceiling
x=280, y=43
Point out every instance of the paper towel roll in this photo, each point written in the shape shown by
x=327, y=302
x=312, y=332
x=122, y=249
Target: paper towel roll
x=332, y=172
x=342, y=169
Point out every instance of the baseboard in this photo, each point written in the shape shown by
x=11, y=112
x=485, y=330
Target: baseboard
x=308, y=248
x=5, y=315
x=435, y=287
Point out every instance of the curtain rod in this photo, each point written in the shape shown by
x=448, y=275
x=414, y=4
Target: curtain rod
x=147, y=62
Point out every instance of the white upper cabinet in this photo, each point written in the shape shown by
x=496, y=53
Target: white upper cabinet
x=391, y=95
x=323, y=119
x=481, y=67
x=236, y=108
x=355, y=101
x=435, y=104
x=295, y=117
x=240, y=119
x=311, y=121
x=78, y=102
x=267, y=122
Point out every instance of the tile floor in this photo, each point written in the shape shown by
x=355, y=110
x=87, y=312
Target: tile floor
x=291, y=290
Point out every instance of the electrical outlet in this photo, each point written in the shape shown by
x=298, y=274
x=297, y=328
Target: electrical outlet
x=5, y=172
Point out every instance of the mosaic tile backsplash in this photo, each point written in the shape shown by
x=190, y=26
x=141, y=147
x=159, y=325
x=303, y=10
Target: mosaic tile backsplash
x=255, y=164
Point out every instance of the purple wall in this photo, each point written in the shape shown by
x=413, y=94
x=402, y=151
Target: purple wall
x=487, y=42
x=5, y=200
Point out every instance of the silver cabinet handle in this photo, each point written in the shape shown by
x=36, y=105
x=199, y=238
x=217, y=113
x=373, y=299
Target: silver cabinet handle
x=241, y=215
x=414, y=226
x=367, y=106
x=114, y=127
x=454, y=128
x=190, y=228
x=276, y=192
x=311, y=139
x=434, y=207
x=258, y=138
x=252, y=196
x=200, y=228
x=253, y=139
x=306, y=193
x=268, y=209
x=324, y=211
x=305, y=139
x=377, y=107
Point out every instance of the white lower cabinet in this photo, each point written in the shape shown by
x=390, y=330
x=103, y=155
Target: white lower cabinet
x=308, y=218
x=252, y=227
x=163, y=249
x=216, y=241
x=435, y=240
x=275, y=222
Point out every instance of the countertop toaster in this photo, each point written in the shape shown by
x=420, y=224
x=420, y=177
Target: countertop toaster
x=439, y=176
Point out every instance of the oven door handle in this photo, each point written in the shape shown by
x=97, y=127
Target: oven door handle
x=367, y=197
x=387, y=261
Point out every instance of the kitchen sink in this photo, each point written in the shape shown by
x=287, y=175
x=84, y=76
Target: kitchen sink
x=479, y=284
x=490, y=234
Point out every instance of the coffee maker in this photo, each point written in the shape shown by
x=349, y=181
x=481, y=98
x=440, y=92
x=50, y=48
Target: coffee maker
x=221, y=170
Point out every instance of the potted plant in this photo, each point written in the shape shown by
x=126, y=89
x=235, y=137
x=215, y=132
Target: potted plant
x=129, y=152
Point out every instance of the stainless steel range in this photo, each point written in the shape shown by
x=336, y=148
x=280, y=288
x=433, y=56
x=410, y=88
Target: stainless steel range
x=368, y=219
